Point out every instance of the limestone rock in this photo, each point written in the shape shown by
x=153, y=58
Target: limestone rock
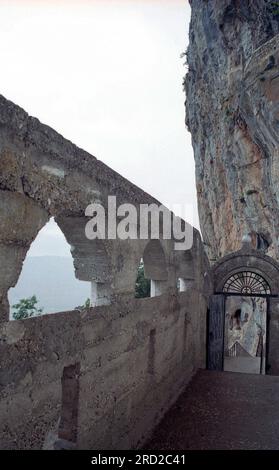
x=232, y=112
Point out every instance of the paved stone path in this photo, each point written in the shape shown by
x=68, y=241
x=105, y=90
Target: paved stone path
x=222, y=410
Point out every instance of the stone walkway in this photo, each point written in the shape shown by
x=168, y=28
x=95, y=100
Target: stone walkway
x=222, y=410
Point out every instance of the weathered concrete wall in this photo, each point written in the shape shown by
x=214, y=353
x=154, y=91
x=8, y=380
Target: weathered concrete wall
x=135, y=357
x=100, y=378
x=44, y=175
x=232, y=90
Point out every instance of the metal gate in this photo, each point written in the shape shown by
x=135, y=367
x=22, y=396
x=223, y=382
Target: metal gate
x=215, y=329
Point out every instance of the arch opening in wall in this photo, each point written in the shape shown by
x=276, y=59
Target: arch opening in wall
x=155, y=267
x=142, y=287
x=183, y=284
x=91, y=259
x=185, y=270
x=246, y=312
x=48, y=276
x=245, y=334
x=241, y=313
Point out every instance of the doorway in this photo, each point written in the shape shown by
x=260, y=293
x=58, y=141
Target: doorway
x=245, y=334
x=237, y=339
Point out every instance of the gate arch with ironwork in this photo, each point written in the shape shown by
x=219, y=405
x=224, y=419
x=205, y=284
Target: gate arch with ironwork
x=246, y=282
x=245, y=273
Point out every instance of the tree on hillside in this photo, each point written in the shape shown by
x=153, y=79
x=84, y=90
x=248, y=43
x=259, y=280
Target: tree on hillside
x=142, y=284
x=85, y=306
x=26, y=308
x=275, y=8
x=87, y=303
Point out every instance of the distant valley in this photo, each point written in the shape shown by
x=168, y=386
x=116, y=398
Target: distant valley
x=52, y=280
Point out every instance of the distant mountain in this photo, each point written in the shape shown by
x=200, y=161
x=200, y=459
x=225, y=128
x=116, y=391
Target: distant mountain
x=52, y=280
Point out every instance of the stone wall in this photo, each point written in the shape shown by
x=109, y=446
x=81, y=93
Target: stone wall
x=102, y=377
x=133, y=359
x=232, y=90
x=43, y=175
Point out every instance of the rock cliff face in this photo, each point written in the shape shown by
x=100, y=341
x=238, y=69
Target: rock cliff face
x=232, y=112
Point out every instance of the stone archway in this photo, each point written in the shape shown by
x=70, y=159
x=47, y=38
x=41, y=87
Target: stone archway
x=243, y=313
x=155, y=267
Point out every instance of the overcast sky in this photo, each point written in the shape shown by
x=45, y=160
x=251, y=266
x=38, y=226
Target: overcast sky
x=107, y=74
